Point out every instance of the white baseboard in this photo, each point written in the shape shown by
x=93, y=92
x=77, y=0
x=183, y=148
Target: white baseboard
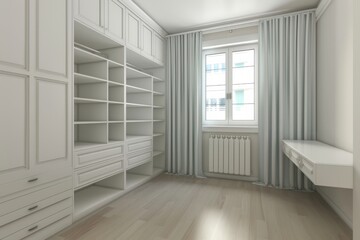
x=336, y=208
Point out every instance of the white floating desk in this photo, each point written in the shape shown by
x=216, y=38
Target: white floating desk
x=324, y=165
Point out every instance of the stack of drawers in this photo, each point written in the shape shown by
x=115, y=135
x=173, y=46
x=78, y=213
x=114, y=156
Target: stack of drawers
x=95, y=164
x=36, y=212
x=139, y=152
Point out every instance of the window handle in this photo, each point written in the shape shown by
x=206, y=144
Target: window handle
x=229, y=96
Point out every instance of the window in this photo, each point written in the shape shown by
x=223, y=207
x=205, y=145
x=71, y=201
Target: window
x=230, y=86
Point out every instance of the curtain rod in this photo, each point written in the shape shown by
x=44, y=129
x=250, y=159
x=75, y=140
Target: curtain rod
x=240, y=24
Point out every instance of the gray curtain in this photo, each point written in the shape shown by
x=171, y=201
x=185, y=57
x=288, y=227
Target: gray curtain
x=184, y=64
x=287, y=87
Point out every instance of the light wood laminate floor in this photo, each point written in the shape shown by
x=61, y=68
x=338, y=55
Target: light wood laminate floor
x=173, y=207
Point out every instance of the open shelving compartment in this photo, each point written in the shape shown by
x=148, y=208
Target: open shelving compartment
x=159, y=123
x=99, y=113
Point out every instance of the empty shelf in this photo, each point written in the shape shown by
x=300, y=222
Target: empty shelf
x=81, y=57
x=157, y=153
x=132, y=73
x=137, y=105
x=133, y=89
x=89, y=122
x=134, y=137
x=93, y=197
x=85, y=79
x=88, y=100
x=115, y=84
x=158, y=134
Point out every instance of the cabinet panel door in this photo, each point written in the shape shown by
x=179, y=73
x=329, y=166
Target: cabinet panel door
x=133, y=31
x=13, y=123
x=51, y=121
x=52, y=35
x=147, y=40
x=158, y=51
x=13, y=28
x=90, y=12
x=115, y=20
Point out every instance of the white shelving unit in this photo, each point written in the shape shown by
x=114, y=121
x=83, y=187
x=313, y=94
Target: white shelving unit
x=119, y=114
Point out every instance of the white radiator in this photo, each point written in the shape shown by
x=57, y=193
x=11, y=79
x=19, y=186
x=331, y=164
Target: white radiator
x=230, y=155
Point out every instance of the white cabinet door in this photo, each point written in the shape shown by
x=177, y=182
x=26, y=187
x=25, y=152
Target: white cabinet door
x=115, y=20
x=52, y=37
x=133, y=31
x=147, y=40
x=14, y=33
x=90, y=12
x=14, y=126
x=159, y=48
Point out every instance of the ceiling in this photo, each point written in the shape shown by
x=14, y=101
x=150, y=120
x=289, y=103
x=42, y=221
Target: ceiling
x=184, y=15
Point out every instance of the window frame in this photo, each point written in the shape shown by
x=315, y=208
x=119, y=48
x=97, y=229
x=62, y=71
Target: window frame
x=229, y=87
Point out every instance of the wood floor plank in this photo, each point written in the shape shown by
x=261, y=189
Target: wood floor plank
x=186, y=208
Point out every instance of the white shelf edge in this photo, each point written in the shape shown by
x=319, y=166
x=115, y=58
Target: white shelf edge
x=89, y=122
x=88, y=100
x=137, y=88
x=78, y=75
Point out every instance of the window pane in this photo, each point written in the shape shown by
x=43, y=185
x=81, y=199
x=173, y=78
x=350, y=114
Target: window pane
x=244, y=93
x=244, y=112
x=243, y=75
x=215, y=103
x=244, y=58
x=215, y=77
x=215, y=62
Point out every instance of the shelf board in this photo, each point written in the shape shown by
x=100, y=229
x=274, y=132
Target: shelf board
x=159, y=107
x=89, y=122
x=94, y=197
x=93, y=38
x=133, y=89
x=132, y=73
x=116, y=102
x=82, y=56
x=86, y=79
x=158, y=134
x=84, y=145
x=88, y=100
x=116, y=122
x=158, y=120
x=116, y=142
x=137, y=105
x=113, y=64
x=134, y=137
x=135, y=180
x=138, y=121
x=158, y=93
x=157, y=153
x=157, y=171
x=115, y=84
x=156, y=79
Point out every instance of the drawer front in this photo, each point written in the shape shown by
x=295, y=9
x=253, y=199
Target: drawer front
x=22, y=206
x=91, y=174
x=45, y=228
x=86, y=158
x=304, y=165
x=132, y=147
x=141, y=157
x=31, y=182
x=307, y=168
x=28, y=223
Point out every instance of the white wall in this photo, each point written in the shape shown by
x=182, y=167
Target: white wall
x=356, y=221
x=335, y=91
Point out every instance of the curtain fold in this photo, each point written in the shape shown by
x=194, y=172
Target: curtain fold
x=287, y=87
x=184, y=64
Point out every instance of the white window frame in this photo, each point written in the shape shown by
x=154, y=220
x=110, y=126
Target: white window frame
x=228, y=62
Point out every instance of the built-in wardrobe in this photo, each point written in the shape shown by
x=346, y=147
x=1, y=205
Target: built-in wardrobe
x=83, y=116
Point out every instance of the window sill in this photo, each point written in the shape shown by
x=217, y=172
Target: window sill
x=230, y=129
